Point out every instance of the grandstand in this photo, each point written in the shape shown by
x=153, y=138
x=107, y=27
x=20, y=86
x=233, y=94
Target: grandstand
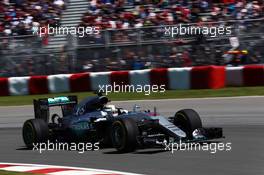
x=131, y=35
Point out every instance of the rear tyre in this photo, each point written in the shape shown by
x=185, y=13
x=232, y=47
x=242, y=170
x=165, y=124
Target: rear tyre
x=124, y=134
x=188, y=120
x=35, y=131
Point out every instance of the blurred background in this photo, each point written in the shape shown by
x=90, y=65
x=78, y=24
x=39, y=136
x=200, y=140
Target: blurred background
x=131, y=35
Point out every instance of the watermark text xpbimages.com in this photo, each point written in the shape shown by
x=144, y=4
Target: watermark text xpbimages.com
x=195, y=146
x=146, y=89
x=65, y=30
x=79, y=147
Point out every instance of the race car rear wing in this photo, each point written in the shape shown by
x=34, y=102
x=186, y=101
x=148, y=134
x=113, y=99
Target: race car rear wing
x=41, y=106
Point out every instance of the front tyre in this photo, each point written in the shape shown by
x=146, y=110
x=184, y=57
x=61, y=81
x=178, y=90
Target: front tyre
x=188, y=120
x=35, y=131
x=124, y=134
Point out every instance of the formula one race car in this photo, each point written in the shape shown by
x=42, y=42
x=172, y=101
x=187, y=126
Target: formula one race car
x=93, y=120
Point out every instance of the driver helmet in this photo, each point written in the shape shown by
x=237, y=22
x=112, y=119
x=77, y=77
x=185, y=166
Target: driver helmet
x=111, y=108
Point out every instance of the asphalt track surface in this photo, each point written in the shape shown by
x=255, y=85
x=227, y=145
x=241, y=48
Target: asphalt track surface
x=241, y=118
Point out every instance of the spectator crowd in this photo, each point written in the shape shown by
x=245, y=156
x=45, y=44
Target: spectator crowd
x=20, y=17
x=120, y=14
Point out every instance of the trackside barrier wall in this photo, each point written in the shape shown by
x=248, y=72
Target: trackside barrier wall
x=80, y=82
x=4, y=88
x=253, y=75
x=99, y=78
x=59, y=83
x=139, y=77
x=234, y=76
x=120, y=78
x=204, y=77
x=159, y=77
x=208, y=77
x=179, y=78
x=38, y=85
x=18, y=85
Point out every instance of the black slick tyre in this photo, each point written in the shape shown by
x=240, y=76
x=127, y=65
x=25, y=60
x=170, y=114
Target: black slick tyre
x=188, y=120
x=35, y=131
x=124, y=134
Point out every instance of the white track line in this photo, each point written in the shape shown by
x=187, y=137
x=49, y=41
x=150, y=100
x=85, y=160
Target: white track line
x=20, y=167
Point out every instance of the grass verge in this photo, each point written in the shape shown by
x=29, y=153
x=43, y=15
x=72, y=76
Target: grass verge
x=226, y=92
